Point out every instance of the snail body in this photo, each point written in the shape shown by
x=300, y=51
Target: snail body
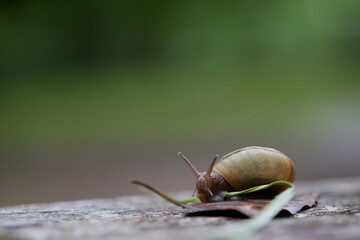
x=242, y=169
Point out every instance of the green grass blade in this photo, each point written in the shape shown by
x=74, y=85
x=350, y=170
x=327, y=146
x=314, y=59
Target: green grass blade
x=192, y=200
x=258, y=188
x=244, y=229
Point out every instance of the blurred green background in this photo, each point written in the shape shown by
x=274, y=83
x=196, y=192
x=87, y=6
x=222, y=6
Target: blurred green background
x=94, y=93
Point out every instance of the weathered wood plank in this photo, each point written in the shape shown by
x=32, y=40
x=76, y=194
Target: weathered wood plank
x=337, y=216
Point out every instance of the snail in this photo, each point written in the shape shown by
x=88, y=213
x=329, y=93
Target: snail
x=241, y=169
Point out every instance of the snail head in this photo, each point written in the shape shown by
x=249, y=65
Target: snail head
x=204, y=180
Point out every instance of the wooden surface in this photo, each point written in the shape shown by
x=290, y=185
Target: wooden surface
x=337, y=216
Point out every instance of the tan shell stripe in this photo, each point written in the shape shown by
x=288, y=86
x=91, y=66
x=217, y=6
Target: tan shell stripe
x=247, y=148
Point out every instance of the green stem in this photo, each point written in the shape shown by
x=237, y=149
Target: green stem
x=159, y=193
x=258, y=188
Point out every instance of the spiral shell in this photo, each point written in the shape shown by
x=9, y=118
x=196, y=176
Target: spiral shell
x=254, y=166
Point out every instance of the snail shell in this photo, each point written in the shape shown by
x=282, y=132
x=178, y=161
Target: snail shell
x=242, y=169
x=254, y=166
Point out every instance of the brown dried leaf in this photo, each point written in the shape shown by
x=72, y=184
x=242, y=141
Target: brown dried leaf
x=250, y=207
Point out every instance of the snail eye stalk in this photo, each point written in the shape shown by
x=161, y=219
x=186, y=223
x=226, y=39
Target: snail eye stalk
x=208, y=172
x=193, y=169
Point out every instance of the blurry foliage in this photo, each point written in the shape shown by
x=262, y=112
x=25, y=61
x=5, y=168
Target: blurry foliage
x=42, y=34
x=76, y=71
